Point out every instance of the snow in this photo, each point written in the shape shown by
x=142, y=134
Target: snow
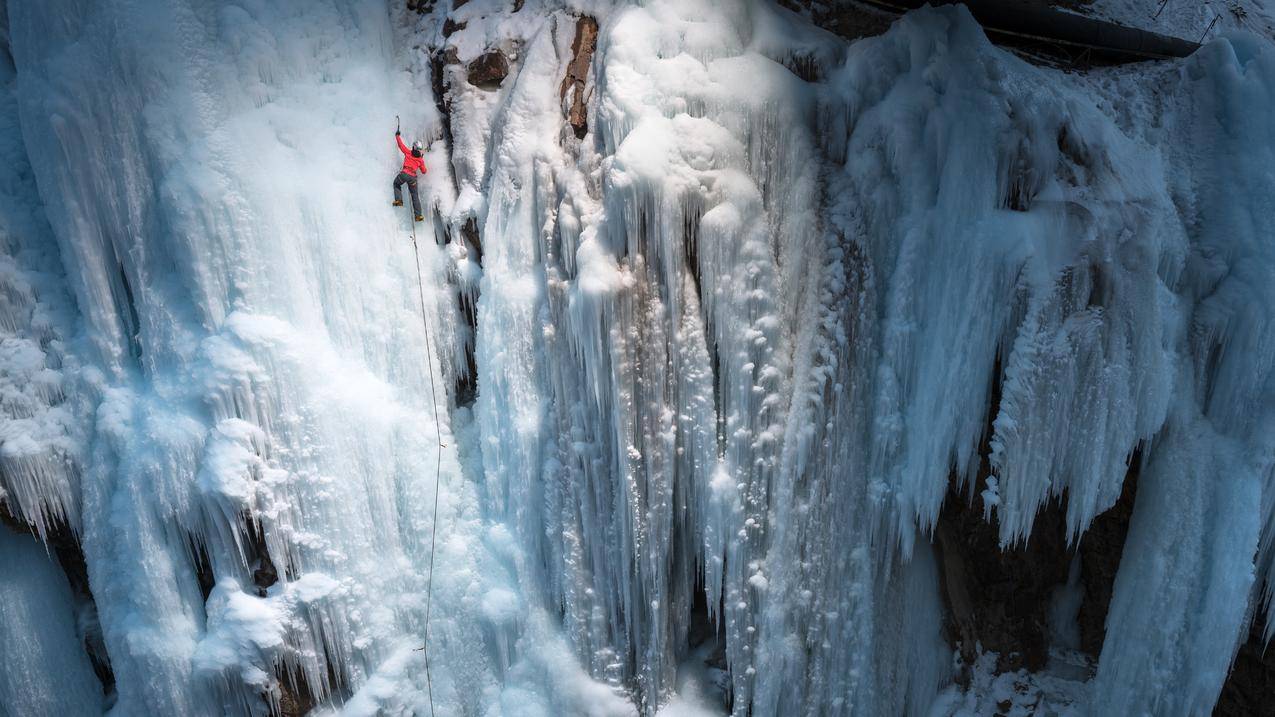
x=1055, y=692
x=732, y=348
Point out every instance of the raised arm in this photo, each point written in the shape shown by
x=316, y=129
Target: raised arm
x=401, y=147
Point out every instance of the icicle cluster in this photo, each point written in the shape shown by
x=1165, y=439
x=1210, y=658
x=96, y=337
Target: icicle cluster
x=735, y=340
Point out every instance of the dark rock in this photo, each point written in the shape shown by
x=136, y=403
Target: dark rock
x=1249, y=691
x=265, y=575
x=999, y=599
x=438, y=63
x=451, y=27
x=582, y=49
x=849, y=20
x=996, y=598
x=1100, y=549
x=466, y=385
x=470, y=232
x=264, y=571
x=296, y=698
x=489, y=70
x=203, y=567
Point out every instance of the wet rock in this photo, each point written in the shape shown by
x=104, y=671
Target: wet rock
x=488, y=70
x=582, y=49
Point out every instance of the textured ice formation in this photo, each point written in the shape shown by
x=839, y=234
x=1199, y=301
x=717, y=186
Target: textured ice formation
x=732, y=350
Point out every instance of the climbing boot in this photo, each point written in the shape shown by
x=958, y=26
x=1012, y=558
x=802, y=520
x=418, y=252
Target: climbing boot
x=398, y=202
x=419, y=218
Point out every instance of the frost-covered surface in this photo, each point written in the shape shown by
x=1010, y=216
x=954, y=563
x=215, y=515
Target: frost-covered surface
x=1187, y=19
x=1060, y=690
x=731, y=349
x=251, y=321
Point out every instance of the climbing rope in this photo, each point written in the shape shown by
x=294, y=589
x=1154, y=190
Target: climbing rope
x=438, y=467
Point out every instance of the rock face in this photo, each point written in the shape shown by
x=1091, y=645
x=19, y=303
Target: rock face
x=1250, y=689
x=295, y=696
x=999, y=599
x=451, y=27
x=1100, y=549
x=582, y=49
x=488, y=70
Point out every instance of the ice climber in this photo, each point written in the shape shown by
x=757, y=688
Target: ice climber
x=413, y=162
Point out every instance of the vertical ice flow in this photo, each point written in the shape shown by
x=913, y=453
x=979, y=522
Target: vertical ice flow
x=733, y=351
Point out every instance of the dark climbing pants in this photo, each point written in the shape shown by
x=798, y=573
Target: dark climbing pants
x=399, y=181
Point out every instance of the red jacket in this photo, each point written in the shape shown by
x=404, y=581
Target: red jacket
x=410, y=162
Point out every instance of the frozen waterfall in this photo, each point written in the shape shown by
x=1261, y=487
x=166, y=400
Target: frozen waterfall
x=768, y=361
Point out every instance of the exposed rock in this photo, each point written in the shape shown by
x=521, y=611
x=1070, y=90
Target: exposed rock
x=582, y=48
x=438, y=63
x=467, y=383
x=1249, y=691
x=488, y=70
x=1000, y=599
x=470, y=232
x=265, y=574
x=203, y=567
x=1100, y=549
x=296, y=698
x=451, y=27
x=849, y=20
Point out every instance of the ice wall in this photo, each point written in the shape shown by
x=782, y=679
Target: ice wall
x=256, y=485
x=785, y=289
x=1201, y=537
x=732, y=348
x=46, y=669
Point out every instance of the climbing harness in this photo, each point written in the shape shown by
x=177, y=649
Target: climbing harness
x=438, y=463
